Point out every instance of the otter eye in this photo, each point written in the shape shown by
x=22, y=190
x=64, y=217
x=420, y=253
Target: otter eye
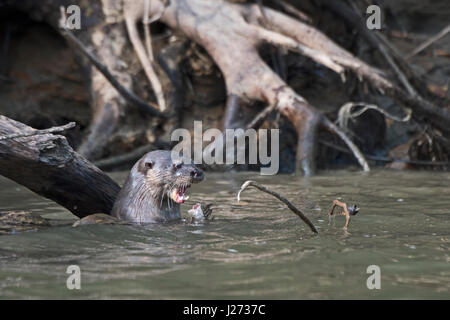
x=148, y=165
x=144, y=166
x=176, y=166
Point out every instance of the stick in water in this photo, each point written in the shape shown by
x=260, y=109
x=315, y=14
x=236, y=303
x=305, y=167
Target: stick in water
x=279, y=197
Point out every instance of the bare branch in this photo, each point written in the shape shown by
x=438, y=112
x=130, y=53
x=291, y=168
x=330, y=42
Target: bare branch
x=36, y=132
x=429, y=42
x=279, y=197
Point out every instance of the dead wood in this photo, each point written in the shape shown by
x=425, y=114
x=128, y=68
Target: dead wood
x=47, y=165
x=36, y=132
x=300, y=214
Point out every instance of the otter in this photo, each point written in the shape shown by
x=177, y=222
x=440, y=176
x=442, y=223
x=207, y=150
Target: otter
x=155, y=188
x=153, y=192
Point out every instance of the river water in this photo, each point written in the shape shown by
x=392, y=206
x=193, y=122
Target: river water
x=257, y=249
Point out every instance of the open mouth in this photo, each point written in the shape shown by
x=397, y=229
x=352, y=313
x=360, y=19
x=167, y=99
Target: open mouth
x=179, y=194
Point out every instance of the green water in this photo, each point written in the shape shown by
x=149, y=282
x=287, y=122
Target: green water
x=257, y=250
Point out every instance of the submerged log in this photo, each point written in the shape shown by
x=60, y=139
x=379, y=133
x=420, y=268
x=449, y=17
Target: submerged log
x=48, y=166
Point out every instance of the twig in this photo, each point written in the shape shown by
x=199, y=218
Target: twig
x=345, y=113
x=279, y=197
x=129, y=96
x=38, y=132
x=429, y=42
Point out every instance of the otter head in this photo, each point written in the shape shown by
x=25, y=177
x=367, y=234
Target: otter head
x=171, y=178
x=155, y=188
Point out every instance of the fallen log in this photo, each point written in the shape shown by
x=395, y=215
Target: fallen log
x=47, y=165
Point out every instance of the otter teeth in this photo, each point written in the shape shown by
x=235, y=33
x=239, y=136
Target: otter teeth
x=180, y=195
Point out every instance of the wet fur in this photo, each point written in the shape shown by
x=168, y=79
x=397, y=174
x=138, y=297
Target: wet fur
x=144, y=197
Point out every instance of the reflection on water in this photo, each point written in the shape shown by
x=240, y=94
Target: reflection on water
x=255, y=250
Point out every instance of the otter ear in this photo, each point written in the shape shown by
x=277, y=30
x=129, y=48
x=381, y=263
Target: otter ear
x=145, y=165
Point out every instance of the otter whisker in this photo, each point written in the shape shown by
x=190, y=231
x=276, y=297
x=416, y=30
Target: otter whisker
x=162, y=196
x=169, y=199
x=168, y=196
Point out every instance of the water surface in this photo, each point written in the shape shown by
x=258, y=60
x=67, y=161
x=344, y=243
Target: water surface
x=257, y=250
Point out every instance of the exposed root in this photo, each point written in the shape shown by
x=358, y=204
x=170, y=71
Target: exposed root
x=247, y=76
x=217, y=24
x=146, y=58
x=293, y=11
x=279, y=197
x=281, y=40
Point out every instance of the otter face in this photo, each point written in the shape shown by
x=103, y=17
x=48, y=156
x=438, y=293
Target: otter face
x=172, y=178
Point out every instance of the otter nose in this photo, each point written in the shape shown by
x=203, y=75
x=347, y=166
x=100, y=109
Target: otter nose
x=197, y=175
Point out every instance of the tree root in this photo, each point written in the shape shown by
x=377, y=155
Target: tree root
x=231, y=33
x=279, y=197
x=146, y=58
x=246, y=75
